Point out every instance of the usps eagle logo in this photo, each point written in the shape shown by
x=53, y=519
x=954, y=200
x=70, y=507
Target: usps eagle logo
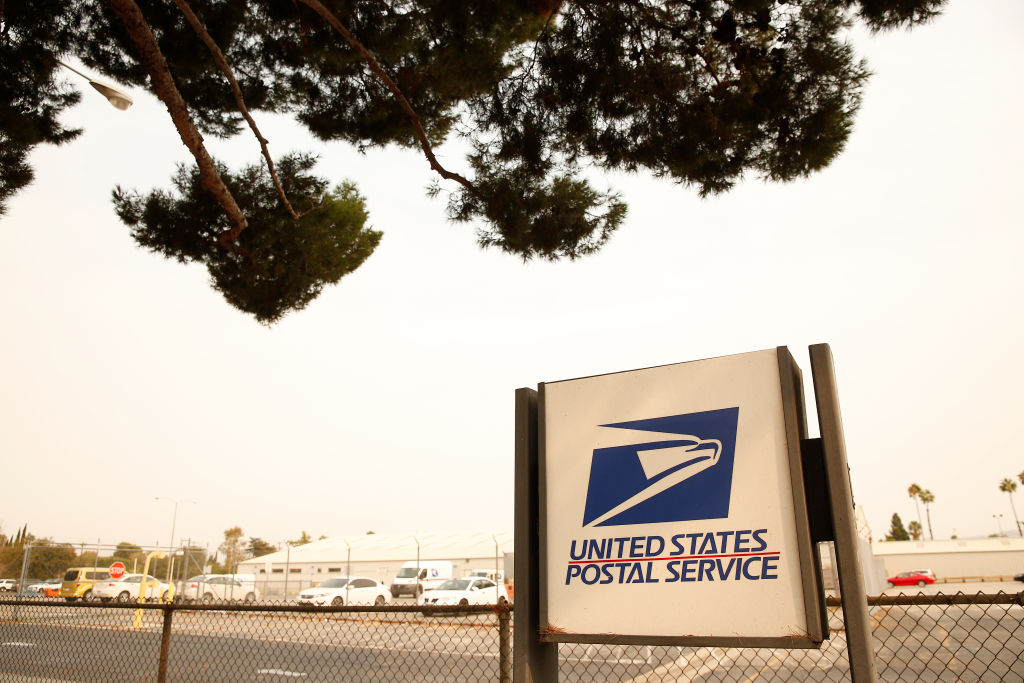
x=685, y=477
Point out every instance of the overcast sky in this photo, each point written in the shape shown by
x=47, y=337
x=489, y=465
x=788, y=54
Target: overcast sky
x=387, y=404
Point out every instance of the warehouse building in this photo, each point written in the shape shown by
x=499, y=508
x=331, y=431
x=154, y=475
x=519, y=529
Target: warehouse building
x=956, y=560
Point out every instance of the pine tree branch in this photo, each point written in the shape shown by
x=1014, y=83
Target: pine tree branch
x=163, y=85
x=376, y=68
x=225, y=68
x=528, y=70
x=666, y=26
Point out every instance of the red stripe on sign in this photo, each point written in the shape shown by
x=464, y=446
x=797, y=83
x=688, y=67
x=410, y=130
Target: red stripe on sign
x=672, y=557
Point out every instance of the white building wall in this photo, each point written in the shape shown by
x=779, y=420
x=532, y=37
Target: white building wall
x=956, y=559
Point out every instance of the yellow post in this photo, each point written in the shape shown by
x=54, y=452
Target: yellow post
x=159, y=554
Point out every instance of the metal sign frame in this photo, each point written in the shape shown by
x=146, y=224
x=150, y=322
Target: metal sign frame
x=808, y=565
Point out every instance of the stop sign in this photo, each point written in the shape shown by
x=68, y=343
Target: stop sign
x=117, y=570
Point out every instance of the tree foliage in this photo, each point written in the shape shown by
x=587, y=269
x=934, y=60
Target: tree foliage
x=303, y=539
x=1009, y=486
x=32, y=94
x=927, y=497
x=547, y=93
x=193, y=561
x=897, y=532
x=258, y=547
x=127, y=551
x=50, y=560
x=46, y=559
x=278, y=264
x=914, y=491
x=232, y=548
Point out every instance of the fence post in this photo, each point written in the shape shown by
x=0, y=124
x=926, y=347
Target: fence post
x=287, y=568
x=504, y=644
x=165, y=643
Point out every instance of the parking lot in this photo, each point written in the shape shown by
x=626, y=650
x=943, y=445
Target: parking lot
x=60, y=642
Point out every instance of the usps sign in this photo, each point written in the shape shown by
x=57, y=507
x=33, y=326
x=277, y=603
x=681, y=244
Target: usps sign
x=673, y=506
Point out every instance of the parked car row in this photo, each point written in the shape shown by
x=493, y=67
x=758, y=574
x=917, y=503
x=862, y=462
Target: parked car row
x=32, y=587
x=424, y=581
x=93, y=583
x=79, y=581
x=362, y=590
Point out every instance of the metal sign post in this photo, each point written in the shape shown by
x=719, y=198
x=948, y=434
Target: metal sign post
x=638, y=488
x=837, y=475
x=532, y=660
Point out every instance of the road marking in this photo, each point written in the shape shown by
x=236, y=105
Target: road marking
x=281, y=672
x=16, y=644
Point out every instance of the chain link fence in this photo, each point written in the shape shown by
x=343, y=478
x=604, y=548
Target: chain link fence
x=916, y=638
x=48, y=640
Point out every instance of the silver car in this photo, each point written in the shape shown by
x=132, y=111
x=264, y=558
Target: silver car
x=207, y=588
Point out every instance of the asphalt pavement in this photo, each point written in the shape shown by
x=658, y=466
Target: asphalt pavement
x=58, y=642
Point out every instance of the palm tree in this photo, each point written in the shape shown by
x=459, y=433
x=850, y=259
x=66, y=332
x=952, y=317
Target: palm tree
x=1021, y=477
x=927, y=497
x=915, y=529
x=914, y=491
x=1009, y=486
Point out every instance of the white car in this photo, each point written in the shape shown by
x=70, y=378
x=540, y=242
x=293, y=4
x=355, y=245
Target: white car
x=126, y=589
x=472, y=590
x=8, y=585
x=207, y=588
x=357, y=590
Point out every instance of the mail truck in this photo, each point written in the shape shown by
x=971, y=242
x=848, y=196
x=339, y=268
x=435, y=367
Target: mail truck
x=413, y=579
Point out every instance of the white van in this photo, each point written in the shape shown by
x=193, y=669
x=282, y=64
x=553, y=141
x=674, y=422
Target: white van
x=413, y=580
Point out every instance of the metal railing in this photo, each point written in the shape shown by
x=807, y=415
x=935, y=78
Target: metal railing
x=915, y=638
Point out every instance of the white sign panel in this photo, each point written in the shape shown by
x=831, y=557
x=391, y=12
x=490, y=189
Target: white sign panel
x=669, y=504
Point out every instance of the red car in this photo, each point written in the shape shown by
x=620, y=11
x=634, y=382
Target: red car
x=910, y=579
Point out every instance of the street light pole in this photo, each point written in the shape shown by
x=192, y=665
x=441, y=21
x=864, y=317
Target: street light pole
x=999, y=524
x=416, y=591
x=174, y=524
x=119, y=99
x=348, y=570
x=497, y=581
